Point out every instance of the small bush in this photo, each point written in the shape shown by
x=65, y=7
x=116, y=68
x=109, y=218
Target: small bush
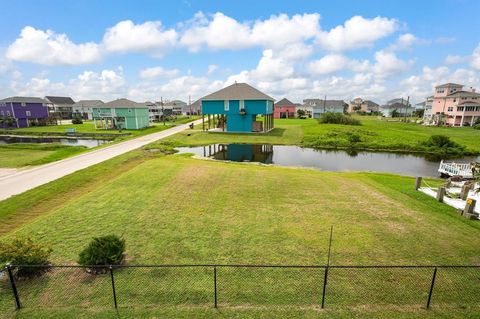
x=442, y=144
x=103, y=251
x=337, y=118
x=354, y=138
x=77, y=120
x=476, y=126
x=24, y=251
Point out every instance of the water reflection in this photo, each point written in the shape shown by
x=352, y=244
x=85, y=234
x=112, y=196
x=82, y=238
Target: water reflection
x=8, y=139
x=327, y=160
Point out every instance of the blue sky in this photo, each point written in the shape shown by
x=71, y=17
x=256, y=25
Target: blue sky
x=145, y=50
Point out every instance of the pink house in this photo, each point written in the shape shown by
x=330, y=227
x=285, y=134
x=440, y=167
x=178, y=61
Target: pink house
x=455, y=106
x=284, y=109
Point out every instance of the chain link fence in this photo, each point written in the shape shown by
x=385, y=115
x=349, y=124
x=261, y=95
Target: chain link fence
x=243, y=286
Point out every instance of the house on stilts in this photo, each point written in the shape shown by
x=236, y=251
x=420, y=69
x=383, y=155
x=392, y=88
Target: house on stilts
x=238, y=108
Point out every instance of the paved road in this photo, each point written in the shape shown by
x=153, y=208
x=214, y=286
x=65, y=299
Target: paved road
x=23, y=180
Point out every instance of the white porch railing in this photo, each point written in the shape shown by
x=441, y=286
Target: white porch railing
x=457, y=169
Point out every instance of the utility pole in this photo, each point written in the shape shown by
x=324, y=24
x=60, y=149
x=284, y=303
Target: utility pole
x=190, y=104
x=324, y=104
x=163, y=111
x=406, y=106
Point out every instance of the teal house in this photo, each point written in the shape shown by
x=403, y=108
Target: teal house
x=121, y=114
x=238, y=108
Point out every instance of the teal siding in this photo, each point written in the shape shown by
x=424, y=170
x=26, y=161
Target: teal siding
x=238, y=122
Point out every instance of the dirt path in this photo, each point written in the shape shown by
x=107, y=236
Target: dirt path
x=21, y=181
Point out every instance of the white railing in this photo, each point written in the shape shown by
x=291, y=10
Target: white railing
x=457, y=169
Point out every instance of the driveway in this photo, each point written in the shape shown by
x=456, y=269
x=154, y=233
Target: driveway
x=21, y=181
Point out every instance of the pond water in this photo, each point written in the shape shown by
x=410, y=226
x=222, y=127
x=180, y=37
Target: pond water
x=325, y=160
x=9, y=139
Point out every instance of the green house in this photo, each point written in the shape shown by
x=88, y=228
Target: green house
x=121, y=114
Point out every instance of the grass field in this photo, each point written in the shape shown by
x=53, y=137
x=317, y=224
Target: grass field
x=174, y=209
x=374, y=134
x=19, y=155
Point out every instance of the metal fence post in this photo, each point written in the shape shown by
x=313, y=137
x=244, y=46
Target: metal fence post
x=113, y=287
x=431, y=287
x=14, y=287
x=215, y=284
x=324, y=286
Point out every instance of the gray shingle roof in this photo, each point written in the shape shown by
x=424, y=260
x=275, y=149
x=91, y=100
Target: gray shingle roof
x=465, y=94
x=238, y=91
x=60, y=99
x=283, y=102
x=123, y=103
x=23, y=99
x=89, y=103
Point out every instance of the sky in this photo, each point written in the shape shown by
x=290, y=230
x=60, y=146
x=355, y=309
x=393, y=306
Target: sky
x=148, y=50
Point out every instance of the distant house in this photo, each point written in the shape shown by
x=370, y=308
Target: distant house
x=83, y=108
x=284, y=109
x=427, y=110
x=26, y=111
x=455, y=106
x=362, y=106
x=60, y=106
x=323, y=106
x=176, y=106
x=396, y=107
x=236, y=108
x=307, y=108
x=121, y=114
x=192, y=109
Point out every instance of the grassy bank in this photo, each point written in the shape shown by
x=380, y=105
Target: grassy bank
x=374, y=134
x=19, y=155
x=174, y=209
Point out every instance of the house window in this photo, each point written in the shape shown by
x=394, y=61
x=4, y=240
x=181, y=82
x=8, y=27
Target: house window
x=459, y=108
x=450, y=109
x=129, y=110
x=28, y=113
x=226, y=105
x=24, y=104
x=440, y=91
x=3, y=104
x=2, y=113
x=242, y=105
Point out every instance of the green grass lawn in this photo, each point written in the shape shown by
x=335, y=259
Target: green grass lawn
x=175, y=209
x=19, y=155
x=375, y=134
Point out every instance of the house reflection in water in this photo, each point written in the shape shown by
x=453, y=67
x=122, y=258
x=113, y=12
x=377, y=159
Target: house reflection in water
x=262, y=153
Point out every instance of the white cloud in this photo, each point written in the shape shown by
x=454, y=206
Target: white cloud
x=336, y=62
x=388, y=64
x=177, y=88
x=475, y=61
x=212, y=68
x=148, y=37
x=357, y=32
x=456, y=59
x=224, y=32
x=271, y=67
x=406, y=41
x=106, y=85
x=47, y=47
x=157, y=72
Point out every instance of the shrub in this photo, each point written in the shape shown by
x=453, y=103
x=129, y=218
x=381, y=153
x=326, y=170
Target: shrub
x=24, y=251
x=77, y=120
x=354, y=138
x=337, y=118
x=103, y=251
x=443, y=144
x=476, y=126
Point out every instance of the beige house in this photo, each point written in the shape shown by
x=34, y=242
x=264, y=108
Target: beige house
x=362, y=106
